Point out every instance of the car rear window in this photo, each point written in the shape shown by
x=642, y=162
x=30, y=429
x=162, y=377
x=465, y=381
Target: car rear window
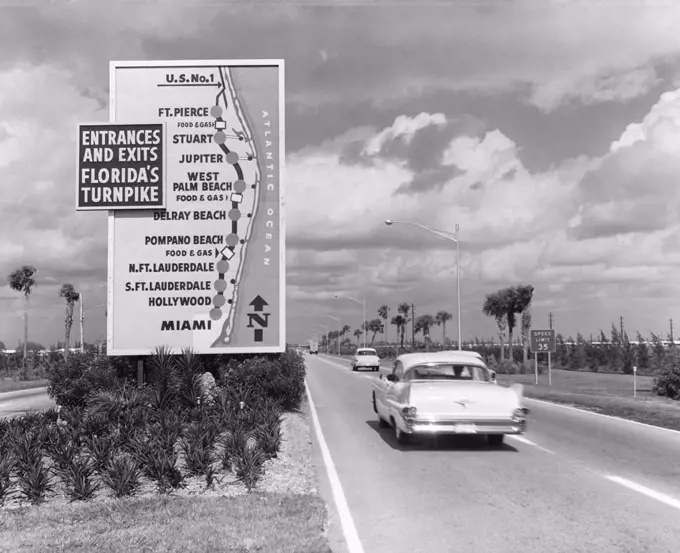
x=447, y=371
x=367, y=352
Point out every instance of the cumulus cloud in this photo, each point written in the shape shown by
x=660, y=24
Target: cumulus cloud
x=634, y=187
x=585, y=228
x=591, y=230
x=40, y=107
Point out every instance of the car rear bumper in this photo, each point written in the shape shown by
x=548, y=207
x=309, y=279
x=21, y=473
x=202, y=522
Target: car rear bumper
x=430, y=427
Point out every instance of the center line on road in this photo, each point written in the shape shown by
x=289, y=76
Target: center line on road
x=348, y=528
x=663, y=498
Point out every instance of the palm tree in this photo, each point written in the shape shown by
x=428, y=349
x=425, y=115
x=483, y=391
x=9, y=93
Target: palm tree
x=424, y=323
x=404, y=309
x=518, y=300
x=383, y=312
x=357, y=334
x=22, y=280
x=441, y=318
x=400, y=322
x=70, y=296
x=375, y=326
x=505, y=305
x=494, y=307
x=526, y=327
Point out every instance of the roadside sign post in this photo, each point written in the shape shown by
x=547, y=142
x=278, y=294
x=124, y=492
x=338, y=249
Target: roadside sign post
x=543, y=341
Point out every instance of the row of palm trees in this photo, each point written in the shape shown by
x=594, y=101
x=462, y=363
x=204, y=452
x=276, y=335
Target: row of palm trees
x=23, y=280
x=506, y=306
x=422, y=325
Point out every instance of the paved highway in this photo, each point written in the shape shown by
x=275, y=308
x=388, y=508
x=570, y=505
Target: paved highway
x=23, y=401
x=576, y=482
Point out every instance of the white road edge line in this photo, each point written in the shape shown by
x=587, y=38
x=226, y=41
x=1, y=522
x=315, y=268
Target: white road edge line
x=663, y=498
x=348, y=528
x=527, y=441
x=602, y=415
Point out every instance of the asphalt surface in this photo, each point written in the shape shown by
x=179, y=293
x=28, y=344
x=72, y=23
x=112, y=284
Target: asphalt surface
x=24, y=401
x=575, y=482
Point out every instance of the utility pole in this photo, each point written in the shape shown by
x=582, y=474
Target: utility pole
x=621, y=325
x=551, y=321
x=413, y=326
x=672, y=339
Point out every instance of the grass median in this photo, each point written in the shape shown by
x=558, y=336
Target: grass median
x=11, y=385
x=605, y=393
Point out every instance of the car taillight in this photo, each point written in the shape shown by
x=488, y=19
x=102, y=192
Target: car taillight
x=409, y=413
x=518, y=414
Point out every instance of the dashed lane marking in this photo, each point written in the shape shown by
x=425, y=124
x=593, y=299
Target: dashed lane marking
x=531, y=443
x=658, y=496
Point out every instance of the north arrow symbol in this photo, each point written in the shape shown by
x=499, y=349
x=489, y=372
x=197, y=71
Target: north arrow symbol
x=258, y=303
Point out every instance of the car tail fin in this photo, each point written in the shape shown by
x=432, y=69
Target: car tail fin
x=519, y=390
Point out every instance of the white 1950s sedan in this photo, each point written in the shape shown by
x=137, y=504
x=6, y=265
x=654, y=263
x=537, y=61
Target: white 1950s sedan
x=447, y=392
x=366, y=358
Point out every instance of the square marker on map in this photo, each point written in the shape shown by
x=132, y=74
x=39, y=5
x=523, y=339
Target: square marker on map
x=220, y=125
x=226, y=252
x=236, y=197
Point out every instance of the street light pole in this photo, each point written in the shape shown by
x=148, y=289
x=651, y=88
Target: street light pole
x=454, y=238
x=363, y=303
x=460, y=341
x=338, y=321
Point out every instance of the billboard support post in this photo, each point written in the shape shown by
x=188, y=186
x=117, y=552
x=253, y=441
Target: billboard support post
x=190, y=168
x=140, y=371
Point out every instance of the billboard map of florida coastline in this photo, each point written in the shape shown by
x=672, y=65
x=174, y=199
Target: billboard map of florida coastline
x=207, y=272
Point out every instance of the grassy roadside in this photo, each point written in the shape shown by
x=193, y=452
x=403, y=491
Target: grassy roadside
x=608, y=394
x=264, y=522
x=11, y=385
x=283, y=514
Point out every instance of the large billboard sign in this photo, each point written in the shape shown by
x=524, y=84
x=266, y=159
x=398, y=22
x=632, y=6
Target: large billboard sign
x=208, y=271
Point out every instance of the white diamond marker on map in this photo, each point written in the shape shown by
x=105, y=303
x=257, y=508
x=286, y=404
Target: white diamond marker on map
x=236, y=197
x=226, y=252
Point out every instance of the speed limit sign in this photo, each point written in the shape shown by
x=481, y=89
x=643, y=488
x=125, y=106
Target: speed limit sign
x=542, y=341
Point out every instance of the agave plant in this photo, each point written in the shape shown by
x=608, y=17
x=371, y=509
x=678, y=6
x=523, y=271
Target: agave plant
x=189, y=368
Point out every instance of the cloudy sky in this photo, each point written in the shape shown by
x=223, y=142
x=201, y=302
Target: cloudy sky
x=549, y=130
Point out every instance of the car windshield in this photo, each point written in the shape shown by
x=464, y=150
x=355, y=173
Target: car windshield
x=448, y=371
x=367, y=352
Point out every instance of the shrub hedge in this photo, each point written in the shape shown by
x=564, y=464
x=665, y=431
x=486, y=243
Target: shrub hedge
x=106, y=433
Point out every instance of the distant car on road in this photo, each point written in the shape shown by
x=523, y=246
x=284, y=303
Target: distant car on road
x=447, y=392
x=314, y=348
x=365, y=358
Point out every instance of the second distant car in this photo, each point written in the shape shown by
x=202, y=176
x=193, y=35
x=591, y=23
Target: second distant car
x=366, y=358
